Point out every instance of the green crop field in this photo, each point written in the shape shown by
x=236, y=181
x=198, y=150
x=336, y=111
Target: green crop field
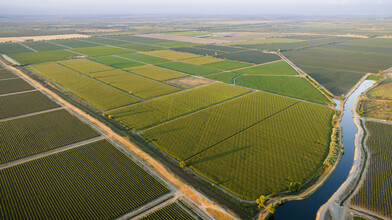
x=284, y=46
x=98, y=94
x=100, y=50
x=175, y=44
x=170, y=54
x=296, y=87
x=137, y=85
x=31, y=135
x=155, y=72
x=253, y=145
x=227, y=65
x=220, y=48
x=199, y=51
x=23, y=103
x=188, y=68
x=382, y=91
x=172, y=211
x=103, y=40
x=85, y=66
x=375, y=193
x=250, y=56
x=42, y=56
x=146, y=114
x=226, y=77
x=143, y=58
x=140, y=47
x=116, y=62
x=95, y=181
x=343, y=64
x=43, y=46
x=14, y=85
x=11, y=48
x=201, y=60
x=6, y=74
x=275, y=68
x=74, y=43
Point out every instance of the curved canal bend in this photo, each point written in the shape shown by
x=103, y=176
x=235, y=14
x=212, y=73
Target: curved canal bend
x=307, y=208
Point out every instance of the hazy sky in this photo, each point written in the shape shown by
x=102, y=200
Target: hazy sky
x=261, y=7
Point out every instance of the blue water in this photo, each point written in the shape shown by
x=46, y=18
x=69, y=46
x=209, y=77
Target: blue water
x=307, y=208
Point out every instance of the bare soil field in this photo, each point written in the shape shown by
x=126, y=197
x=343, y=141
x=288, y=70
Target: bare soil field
x=184, y=39
x=191, y=82
x=45, y=37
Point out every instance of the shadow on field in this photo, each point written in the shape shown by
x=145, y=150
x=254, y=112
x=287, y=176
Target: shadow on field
x=216, y=156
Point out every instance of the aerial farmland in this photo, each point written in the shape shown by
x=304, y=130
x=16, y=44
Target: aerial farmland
x=212, y=118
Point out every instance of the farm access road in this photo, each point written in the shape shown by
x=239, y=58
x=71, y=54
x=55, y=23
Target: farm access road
x=199, y=199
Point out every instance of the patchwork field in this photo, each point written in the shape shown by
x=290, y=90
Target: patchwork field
x=375, y=193
x=116, y=62
x=136, y=85
x=43, y=46
x=172, y=211
x=143, y=58
x=31, y=135
x=140, y=47
x=170, y=54
x=199, y=51
x=146, y=114
x=227, y=65
x=226, y=77
x=11, y=48
x=100, y=50
x=94, y=181
x=6, y=74
x=14, y=85
x=188, y=68
x=275, y=68
x=98, y=94
x=290, y=151
x=250, y=56
x=155, y=72
x=201, y=60
x=339, y=66
x=85, y=66
x=296, y=87
x=74, y=43
x=23, y=103
x=43, y=56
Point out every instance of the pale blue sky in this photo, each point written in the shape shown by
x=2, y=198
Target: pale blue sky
x=260, y=7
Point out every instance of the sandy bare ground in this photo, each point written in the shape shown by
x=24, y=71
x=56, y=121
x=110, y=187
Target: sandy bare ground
x=190, y=81
x=45, y=37
x=184, y=39
x=196, y=197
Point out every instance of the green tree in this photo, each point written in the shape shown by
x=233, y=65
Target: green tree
x=261, y=202
x=182, y=164
x=294, y=186
x=271, y=208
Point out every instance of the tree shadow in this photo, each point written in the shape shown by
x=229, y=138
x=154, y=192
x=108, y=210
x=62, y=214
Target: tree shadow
x=216, y=156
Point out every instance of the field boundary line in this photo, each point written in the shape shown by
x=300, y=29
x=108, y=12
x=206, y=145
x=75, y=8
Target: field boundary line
x=34, y=50
x=59, y=45
x=242, y=130
x=157, y=97
x=255, y=65
x=198, y=110
x=31, y=114
x=50, y=152
x=150, y=208
x=127, y=41
x=16, y=77
x=130, y=50
x=21, y=92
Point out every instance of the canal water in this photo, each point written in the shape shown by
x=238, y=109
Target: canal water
x=307, y=208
